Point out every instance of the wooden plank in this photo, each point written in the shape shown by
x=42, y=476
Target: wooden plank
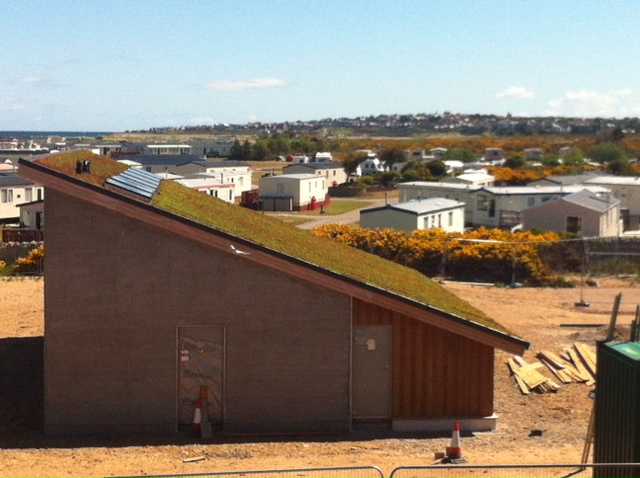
x=579, y=366
x=614, y=317
x=531, y=377
x=588, y=360
x=511, y=363
x=559, y=373
x=551, y=358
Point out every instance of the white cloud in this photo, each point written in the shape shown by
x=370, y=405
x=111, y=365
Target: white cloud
x=585, y=103
x=33, y=79
x=237, y=85
x=10, y=106
x=515, y=92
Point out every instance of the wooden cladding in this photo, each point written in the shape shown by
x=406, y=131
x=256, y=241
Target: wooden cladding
x=435, y=373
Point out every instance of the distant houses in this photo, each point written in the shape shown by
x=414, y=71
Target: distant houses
x=496, y=206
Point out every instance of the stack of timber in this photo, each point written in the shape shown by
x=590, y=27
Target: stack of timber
x=529, y=378
x=576, y=364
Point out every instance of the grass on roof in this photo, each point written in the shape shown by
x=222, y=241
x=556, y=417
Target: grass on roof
x=284, y=238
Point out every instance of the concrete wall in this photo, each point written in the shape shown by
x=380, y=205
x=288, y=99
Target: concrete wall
x=116, y=289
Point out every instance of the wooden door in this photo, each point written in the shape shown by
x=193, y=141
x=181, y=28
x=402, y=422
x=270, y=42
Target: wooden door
x=371, y=374
x=200, y=363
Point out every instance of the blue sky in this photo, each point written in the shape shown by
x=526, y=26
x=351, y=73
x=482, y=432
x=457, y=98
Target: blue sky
x=99, y=65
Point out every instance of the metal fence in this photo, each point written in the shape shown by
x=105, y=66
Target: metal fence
x=441, y=471
x=337, y=472
x=495, y=471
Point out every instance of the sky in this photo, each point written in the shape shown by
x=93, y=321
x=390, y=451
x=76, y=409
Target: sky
x=96, y=65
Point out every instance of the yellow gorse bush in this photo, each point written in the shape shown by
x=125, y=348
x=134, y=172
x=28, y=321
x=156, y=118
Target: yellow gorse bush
x=30, y=264
x=494, y=255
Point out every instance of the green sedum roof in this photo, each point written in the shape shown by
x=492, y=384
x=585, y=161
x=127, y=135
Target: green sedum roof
x=283, y=238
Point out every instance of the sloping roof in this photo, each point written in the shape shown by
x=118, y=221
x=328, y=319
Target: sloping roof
x=11, y=179
x=293, y=176
x=278, y=245
x=164, y=159
x=424, y=206
x=321, y=165
x=227, y=163
x=589, y=200
x=615, y=180
x=534, y=190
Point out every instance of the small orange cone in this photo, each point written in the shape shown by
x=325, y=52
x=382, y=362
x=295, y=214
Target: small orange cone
x=454, y=452
x=197, y=416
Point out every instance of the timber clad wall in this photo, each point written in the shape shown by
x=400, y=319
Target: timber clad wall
x=116, y=291
x=435, y=373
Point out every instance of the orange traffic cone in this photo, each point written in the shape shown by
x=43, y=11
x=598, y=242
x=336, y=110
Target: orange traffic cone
x=454, y=452
x=197, y=416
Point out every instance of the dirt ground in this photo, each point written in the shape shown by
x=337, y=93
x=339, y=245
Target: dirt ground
x=548, y=318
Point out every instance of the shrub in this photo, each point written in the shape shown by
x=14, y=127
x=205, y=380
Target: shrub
x=32, y=264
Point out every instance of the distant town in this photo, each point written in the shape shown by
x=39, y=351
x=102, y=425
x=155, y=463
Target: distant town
x=414, y=124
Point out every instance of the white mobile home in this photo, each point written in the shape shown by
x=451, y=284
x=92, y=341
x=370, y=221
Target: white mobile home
x=334, y=173
x=235, y=173
x=292, y=192
x=211, y=186
x=501, y=206
x=441, y=213
x=14, y=191
x=626, y=189
x=582, y=213
x=417, y=190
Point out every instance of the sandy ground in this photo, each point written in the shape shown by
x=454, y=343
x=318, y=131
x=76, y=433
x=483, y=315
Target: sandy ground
x=548, y=318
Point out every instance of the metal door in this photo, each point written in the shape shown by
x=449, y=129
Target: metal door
x=200, y=363
x=371, y=382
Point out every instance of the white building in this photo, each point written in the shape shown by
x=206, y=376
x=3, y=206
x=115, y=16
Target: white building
x=491, y=206
x=625, y=189
x=236, y=173
x=478, y=177
x=167, y=149
x=581, y=213
x=211, y=186
x=462, y=192
x=292, y=192
x=334, y=173
x=501, y=206
x=322, y=157
x=371, y=166
x=432, y=213
x=15, y=191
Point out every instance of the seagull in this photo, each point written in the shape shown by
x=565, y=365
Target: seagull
x=237, y=251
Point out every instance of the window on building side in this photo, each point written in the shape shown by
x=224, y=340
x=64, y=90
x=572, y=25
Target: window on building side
x=482, y=202
x=6, y=195
x=574, y=224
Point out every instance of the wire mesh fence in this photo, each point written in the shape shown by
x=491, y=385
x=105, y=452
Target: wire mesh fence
x=496, y=471
x=439, y=471
x=337, y=472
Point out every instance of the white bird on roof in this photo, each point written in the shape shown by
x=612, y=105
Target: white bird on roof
x=237, y=251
